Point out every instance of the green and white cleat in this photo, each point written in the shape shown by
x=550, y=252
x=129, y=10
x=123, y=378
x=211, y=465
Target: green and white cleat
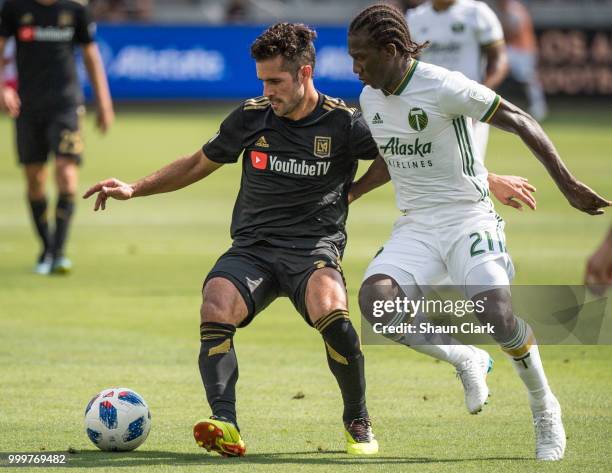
x=61, y=265
x=360, y=438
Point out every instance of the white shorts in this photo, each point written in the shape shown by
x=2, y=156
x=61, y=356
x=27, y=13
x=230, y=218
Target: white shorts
x=468, y=235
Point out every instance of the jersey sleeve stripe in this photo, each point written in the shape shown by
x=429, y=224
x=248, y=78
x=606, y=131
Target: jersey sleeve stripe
x=465, y=150
x=463, y=127
x=460, y=143
x=492, y=109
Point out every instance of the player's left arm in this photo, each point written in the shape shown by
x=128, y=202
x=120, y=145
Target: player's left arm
x=85, y=35
x=511, y=118
x=97, y=76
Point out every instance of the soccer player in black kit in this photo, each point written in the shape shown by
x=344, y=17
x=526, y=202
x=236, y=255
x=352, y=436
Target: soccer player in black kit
x=47, y=107
x=299, y=151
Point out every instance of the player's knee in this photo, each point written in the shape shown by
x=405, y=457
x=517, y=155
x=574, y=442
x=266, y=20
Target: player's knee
x=66, y=176
x=325, y=292
x=374, y=291
x=36, y=186
x=222, y=303
x=497, y=311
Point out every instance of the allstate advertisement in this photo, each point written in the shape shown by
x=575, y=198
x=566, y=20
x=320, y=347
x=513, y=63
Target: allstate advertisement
x=152, y=62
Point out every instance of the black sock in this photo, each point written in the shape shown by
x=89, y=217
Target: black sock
x=39, y=216
x=345, y=360
x=63, y=216
x=219, y=368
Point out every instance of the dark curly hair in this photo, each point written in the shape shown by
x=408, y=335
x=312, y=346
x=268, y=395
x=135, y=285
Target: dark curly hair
x=292, y=41
x=386, y=24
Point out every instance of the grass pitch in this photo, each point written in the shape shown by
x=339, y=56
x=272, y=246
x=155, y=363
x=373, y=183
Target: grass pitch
x=128, y=316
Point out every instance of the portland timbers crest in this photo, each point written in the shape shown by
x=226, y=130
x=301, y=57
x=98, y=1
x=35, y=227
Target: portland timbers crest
x=417, y=118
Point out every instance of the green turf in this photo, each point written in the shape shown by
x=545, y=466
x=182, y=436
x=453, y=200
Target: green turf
x=128, y=315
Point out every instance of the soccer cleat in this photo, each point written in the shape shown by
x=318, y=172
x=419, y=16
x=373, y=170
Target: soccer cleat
x=549, y=432
x=44, y=264
x=473, y=375
x=359, y=437
x=61, y=265
x=219, y=435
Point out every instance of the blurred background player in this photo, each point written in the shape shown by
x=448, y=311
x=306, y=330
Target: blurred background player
x=464, y=36
x=522, y=53
x=47, y=107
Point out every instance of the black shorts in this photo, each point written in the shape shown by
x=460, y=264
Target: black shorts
x=262, y=272
x=41, y=133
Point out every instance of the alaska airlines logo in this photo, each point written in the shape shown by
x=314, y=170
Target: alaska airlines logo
x=295, y=167
x=395, y=147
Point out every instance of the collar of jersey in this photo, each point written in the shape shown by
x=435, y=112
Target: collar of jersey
x=404, y=82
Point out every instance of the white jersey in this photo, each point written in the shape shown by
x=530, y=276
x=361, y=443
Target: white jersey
x=423, y=134
x=457, y=35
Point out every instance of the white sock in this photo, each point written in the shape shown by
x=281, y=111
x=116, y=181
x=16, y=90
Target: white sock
x=525, y=357
x=441, y=347
x=453, y=354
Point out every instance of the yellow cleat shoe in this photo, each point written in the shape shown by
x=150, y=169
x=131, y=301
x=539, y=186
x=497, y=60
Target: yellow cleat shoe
x=219, y=435
x=359, y=437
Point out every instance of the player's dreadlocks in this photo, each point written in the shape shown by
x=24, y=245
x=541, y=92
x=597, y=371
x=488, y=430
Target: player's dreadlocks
x=385, y=24
x=292, y=41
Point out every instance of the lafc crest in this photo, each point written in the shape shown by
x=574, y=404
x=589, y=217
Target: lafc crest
x=322, y=146
x=65, y=18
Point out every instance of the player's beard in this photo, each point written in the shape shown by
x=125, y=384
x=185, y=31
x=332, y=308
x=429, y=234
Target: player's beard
x=286, y=107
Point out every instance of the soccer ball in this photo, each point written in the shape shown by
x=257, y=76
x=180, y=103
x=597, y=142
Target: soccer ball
x=117, y=419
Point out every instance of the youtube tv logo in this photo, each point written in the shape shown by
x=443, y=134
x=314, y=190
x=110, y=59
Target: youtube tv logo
x=259, y=160
x=26, y=34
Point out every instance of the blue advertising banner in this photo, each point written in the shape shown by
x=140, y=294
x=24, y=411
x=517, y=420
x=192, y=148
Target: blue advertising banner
x=152, y=62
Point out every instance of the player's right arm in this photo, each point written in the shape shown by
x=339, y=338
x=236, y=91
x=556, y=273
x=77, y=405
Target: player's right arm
x=176, y=175
x=224, y=147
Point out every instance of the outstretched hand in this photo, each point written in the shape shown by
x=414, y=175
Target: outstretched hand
x=109, y=188
x=509, y=190
x=585, y=199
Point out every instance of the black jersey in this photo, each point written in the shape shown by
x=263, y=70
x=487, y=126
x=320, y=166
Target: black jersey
x=45, y=36
x=295, y=174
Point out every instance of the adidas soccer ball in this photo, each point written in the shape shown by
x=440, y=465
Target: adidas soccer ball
x=117, y=419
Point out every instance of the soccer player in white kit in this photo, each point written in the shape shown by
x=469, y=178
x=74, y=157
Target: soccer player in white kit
x=418, y=115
